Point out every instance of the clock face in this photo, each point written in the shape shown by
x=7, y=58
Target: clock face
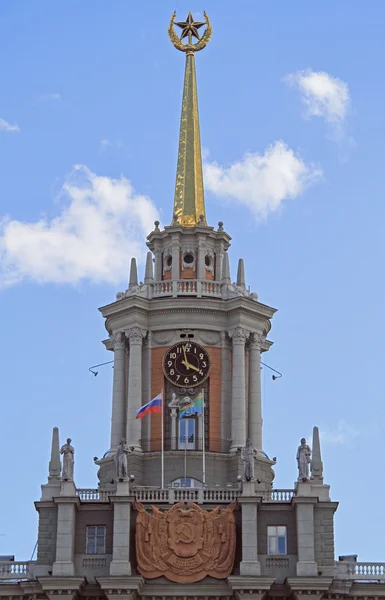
x=186, y=364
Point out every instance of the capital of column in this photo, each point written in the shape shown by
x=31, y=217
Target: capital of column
x=225, y=341
x=148, y=340
x=239, y=336
x=135, y=335
x=175, y=245
x=118, y=340
x=157, y=252
x=256, y=340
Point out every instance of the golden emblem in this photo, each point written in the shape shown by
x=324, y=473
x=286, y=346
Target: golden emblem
x=186, y=543
x=190, y=29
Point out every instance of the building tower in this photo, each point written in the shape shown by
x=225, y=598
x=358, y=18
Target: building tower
x=185, y=504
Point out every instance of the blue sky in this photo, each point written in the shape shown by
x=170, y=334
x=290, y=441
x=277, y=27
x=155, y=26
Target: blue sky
x=291, y=102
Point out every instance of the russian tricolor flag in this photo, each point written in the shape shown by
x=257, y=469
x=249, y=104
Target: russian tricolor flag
x=154, y=406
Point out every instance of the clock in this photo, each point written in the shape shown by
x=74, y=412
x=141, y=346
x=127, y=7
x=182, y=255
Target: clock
x=186, y=364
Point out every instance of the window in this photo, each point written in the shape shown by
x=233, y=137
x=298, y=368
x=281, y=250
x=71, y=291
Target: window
x=96, y=540
x=186, y=433
x=276, y=540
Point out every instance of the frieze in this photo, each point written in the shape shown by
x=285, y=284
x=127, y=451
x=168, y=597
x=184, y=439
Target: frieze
x=185, y=543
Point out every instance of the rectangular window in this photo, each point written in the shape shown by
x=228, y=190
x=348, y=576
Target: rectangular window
x=96, y=540
x=276, y=539
x=186, y=434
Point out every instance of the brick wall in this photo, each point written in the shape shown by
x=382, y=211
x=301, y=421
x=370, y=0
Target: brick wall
x=215, y=399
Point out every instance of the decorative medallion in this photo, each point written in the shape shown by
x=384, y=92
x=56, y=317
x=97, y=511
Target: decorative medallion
x=186, y=543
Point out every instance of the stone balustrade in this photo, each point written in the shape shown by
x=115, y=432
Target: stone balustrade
x=89, y=495
x=186, y=287
x=16, y=570
x=198, y=495
x=278, y=496
x=361, y=571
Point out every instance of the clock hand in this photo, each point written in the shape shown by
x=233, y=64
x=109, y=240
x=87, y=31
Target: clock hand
x=185, y=363
x=189, y=366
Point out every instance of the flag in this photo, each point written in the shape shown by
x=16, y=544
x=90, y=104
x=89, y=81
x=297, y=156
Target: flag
x=154, y=406
x=195, y=406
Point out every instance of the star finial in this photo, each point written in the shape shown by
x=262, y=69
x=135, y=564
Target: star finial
x=190, y=28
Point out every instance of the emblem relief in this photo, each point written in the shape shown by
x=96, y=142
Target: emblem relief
x=186, y=543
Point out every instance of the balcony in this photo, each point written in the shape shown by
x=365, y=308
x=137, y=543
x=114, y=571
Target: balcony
x=191, y=444
x=16, y=570
x=186, y=287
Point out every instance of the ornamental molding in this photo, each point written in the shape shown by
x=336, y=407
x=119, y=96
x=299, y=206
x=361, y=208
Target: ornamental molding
x=118, y=340
x=211, y=338
x=239, y=335
x=256, y=340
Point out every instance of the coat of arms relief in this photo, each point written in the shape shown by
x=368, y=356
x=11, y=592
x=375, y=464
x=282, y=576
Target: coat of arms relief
x=186, y=543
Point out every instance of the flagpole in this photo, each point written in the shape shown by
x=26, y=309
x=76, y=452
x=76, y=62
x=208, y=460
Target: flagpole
x=162, y=430
x=203, y=441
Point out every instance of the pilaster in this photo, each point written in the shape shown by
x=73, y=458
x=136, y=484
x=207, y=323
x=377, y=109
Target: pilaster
x=67, y=504
x=250, y=565
x=225, y=387
x=306, y=565
x=120, y=565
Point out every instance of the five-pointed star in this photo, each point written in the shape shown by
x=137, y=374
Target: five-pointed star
x=190, y=27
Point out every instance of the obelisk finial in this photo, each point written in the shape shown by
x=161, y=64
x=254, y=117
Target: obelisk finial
x=189, y=203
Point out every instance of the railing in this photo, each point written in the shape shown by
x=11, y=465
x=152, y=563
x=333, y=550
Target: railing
x=88, y=495
x=16, y=570
x=278, y=496
x=197, y=495
x=186, y=287
x=277, y=563
x=364, y=571
x=193, y=445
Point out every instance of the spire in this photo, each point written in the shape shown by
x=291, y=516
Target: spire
x=189, y=203
x=148, y=274
x=133, y=274
x=241, y=274
x=226, y=269
x=54, y=464
x=316, y=461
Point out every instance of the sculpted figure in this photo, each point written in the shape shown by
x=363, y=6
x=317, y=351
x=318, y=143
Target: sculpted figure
x=303, y=460
x=247, y=455
x=68, y=461
x=121, y=460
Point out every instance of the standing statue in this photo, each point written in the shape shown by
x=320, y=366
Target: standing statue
x=68, y=461
x=248, y=454
x=303, y=460
x=121, y=460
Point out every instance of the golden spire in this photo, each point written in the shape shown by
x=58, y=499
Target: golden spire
x=189, y=202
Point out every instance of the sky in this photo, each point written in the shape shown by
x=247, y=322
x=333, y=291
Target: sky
x=291, y=100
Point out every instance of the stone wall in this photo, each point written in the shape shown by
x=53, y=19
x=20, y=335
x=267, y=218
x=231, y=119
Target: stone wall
x=324, y=536
x=269, y=514
x=97, y=515
x=46, y=543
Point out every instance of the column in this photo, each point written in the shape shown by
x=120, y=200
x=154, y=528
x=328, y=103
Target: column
x=225, y=389
x=173, y=429
x=218, y=265
x=118, y=418
x=255, y=396
x=201, y=260
x=120, y=564
x=238, y=396
x=250, y=566
x=134, y=401
x=65, y=537
x=175, y=253
x=147, y=356
x=306, y=565
x=158, y=264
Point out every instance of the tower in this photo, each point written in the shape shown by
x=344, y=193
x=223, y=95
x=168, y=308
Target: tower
x=185, y=504
x=188, y=303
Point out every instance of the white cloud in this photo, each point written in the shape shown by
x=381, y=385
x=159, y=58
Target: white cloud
x=53, y=96
x=5, y=126
x=323, y=95
x=102, y=223
x=262, y=182
x=105, y=143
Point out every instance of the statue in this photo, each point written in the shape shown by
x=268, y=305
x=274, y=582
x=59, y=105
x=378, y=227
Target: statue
x=68, y=461
x=303, y=460
x=121, y=460
x=248, y=455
